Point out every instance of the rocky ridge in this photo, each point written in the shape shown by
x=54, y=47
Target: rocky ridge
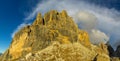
x=54, y=37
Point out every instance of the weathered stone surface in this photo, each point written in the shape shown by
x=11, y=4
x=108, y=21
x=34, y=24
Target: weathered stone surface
x=38, y=38
x=115, y=59
x=83, y=38
x=67, y=52
x=39, y=20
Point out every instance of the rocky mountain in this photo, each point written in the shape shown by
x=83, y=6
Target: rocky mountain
x=54, y=37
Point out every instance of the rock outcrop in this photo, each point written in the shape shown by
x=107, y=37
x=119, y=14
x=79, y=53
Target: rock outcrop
x=38, y=41
x=111, y=51
x=114, y=55
x=117, y=52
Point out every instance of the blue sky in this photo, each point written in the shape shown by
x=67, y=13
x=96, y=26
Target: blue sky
x=15, y=12
x=12, y=13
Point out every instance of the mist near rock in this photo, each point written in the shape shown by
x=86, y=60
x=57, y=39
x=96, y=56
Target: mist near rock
x=88, y=22
x=98, y=37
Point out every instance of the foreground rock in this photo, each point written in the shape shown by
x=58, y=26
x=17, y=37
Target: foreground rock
x=38, y=41
x=67, y=52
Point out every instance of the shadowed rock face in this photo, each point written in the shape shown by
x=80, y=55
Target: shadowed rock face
x=117, y=52
x=53, y=27
x=111, y=50
x=115, y=55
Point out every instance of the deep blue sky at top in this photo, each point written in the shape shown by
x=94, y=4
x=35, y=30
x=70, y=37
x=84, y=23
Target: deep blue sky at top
x=12, y=14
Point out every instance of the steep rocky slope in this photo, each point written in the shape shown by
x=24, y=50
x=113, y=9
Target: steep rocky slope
x=54, y=37
x=67, y=52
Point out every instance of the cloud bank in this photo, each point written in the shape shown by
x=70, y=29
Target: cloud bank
x=102, y=23
x=88, y=22
x=98, y=37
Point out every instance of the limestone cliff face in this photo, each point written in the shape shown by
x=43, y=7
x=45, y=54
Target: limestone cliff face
x=54, y=27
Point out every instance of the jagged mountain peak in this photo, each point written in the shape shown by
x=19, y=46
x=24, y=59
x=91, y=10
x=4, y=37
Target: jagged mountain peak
x=53, y=27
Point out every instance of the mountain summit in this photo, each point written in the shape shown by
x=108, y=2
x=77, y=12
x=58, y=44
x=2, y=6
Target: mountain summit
x=54, y=37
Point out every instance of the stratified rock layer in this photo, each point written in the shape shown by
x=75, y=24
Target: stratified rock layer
x=39, y=37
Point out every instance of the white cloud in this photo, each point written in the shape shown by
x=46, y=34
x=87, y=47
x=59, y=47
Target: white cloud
x=97, y=37
x=107, y=20
x=88, y=22
x=18, y=28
